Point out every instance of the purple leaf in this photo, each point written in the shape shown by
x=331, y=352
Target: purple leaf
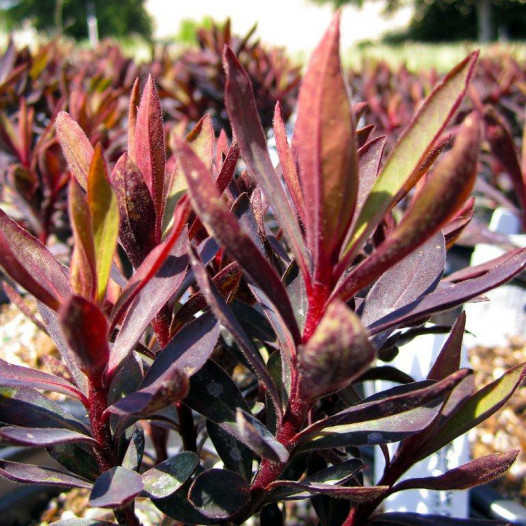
x=150, y=300
x=30, y=474
x=85, y=330
x=474, y=473
x=17, y=376
x=224, y=314
x=219, y=494
x=188, y=351
x=355, y=494
x=259, y=438
x=242, y=110
x=167, y=477
x=415, y=275
x=212, y=211
x=485, y=277
x=166, y=390
x=115, y=488
x=337, y=352
x=324, y=142
x=416, y=519
x=41, y=436
x=387, y=419
x=28, y=262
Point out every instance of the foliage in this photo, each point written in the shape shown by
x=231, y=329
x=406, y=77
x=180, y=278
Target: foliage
x=114, y=19
x=248, y=310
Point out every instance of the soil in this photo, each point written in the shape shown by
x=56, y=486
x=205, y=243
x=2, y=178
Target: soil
x=24, y=344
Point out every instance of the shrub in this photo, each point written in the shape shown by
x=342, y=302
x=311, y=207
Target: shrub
x=249, y=315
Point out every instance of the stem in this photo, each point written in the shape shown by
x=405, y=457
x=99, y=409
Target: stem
x=126, y=515
x=318, y=296
x=100, y=427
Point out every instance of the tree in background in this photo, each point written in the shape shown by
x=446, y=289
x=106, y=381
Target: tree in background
x=115, y=19
x=441, y=20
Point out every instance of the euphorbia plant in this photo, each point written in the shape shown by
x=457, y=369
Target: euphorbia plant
x=307, y=303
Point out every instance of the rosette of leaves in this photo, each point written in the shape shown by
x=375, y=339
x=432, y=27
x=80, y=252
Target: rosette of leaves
x=338, y=278
x=194, y=85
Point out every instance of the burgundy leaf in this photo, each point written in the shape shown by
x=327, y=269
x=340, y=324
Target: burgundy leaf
x=502, y=146
x=286, y=161
x=149, y=146
x=136, y=209
x=355, y=494
x=448, y=361
x=150, y=300
x=85, y=329
x=30, y=474
x=242, y=110
x=135, y=100
x=474, y=473
x=28, y=262
x=17, y=376
x=324, y=142
x=115, y=488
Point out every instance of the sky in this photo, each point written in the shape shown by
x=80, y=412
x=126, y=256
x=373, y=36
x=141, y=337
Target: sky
x=295, y=24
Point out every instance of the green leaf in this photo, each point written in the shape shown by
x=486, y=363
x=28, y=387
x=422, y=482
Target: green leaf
x=104, y=214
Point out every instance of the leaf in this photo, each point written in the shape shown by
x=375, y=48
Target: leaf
x=17, y=376
x=85, y=330
x=135, y=100
x=41, y=436
x=224, y=314
x=402, y=168
x=486, y=276
x=219, y=494
x=502, y=147
x=287, y=163
x=469, y=475
x=328, y=477
x=76, y=458
x=150, y=300
x=115, y=488
x=325, y=146
x=337, y=352
x=441, y=197
x=188, y=350
x=83, y=273
x=207, y=202
x=475, y=409
x=261, y=439
x=167, y=477
x=76, y=147
x=355, y=494
x=29, y=263
x=28, y=408
x=384, y=420
x=135, y=449
x=412, y=277
x=242, y=110
x=136, y=210
x=104, y=214
x=168, y=389
x=81, y=522
x=30, y=474
x=149, y=146
x=448, y=361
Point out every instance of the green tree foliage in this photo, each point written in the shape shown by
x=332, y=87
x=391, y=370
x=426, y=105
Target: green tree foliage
x=446, y=20
x=116, y=19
